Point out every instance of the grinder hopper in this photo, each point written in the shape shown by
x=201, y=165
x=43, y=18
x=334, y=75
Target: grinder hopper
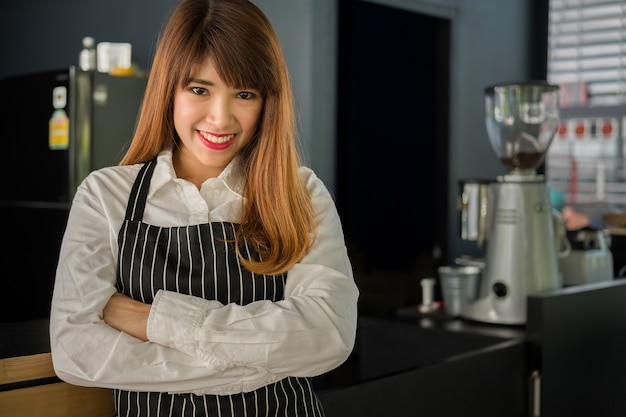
x=521, y=120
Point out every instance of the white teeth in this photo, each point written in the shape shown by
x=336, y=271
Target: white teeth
x=217, y=139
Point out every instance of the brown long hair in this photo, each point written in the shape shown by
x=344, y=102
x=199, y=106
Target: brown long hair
x=278, y=217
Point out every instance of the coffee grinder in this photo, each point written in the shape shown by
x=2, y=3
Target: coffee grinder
x=521, y=254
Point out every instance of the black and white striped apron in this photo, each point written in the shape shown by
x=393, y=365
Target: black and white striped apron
x=199, y=260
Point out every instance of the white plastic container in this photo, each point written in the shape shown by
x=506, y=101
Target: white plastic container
x=586, y=266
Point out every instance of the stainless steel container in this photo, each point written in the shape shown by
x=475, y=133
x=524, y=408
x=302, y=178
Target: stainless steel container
x=472, y=206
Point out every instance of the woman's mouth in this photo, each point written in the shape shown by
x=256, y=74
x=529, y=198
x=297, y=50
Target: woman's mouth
x=217, y=139
x=217, y=142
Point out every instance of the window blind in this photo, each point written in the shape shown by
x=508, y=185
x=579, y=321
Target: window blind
x=587, y=48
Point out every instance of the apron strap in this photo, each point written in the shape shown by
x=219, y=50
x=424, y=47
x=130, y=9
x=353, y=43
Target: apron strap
x=139, y=192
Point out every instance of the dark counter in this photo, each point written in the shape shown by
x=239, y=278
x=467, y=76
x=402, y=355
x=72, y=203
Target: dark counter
x=568, y=359
x=23, y=338
x=433, y=365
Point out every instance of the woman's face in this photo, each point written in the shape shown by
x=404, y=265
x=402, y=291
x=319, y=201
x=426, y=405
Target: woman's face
x=214, y=122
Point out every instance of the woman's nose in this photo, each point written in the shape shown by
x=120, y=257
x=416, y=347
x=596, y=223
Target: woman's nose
x=219, y=111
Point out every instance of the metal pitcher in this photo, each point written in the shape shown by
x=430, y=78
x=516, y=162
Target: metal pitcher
x=472, y=207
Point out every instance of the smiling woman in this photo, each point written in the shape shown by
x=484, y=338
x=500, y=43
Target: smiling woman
x=208, y=271
x=214, y=122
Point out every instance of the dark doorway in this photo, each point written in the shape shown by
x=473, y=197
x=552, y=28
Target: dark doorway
x=393, y=90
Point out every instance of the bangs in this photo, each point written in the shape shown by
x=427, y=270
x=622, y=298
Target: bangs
x=241, y=70
x=242, y=45
x=243, y=57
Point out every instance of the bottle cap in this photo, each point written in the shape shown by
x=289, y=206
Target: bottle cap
x=88, y=42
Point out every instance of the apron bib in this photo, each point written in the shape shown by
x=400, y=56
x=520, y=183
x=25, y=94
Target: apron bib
x=199, y=260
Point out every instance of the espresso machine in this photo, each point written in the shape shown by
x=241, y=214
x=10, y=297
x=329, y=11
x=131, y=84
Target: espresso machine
x=521, y=253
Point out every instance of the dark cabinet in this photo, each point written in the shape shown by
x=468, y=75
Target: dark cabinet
x=578, y=348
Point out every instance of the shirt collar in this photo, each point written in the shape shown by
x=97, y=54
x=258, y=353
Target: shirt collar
x=232, y=176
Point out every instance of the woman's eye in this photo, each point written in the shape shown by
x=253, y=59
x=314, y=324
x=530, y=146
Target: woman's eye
x=198, y=90
x=246, y=95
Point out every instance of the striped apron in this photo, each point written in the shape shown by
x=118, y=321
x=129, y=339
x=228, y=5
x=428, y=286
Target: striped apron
x=199, y=260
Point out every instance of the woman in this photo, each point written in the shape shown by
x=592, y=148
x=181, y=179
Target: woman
x=207, y=274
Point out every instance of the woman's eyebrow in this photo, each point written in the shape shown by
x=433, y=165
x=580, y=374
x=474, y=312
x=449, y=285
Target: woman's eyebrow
x=201, y=81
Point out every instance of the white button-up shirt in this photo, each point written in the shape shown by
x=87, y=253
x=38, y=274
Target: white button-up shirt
x=195, y=345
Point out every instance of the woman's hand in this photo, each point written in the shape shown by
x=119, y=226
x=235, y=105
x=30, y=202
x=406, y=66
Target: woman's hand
x=127, y=315
x=573, y=219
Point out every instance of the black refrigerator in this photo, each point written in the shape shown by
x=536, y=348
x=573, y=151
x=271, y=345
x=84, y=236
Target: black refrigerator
x=57, y=126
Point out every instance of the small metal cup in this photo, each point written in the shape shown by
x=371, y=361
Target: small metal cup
x=459, y=287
